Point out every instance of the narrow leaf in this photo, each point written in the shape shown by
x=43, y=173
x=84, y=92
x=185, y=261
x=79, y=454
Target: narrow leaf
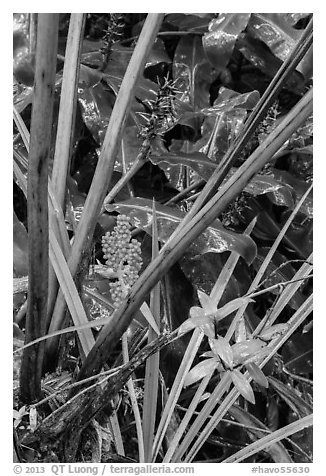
x=222, y=36
x=246, y=349
x=242, y=385
x=257, y=374
x=222, y=349
x=200, y=371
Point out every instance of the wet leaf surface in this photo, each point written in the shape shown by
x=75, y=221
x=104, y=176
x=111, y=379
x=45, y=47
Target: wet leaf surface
x=193, y=71
x=215, y=239
x=242, y=385
x=221, y=37
x=276, y=31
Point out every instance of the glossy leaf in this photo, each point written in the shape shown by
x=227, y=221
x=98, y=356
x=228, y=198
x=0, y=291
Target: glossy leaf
x=157, y=54
x=206, y=302
x=222, y=123
x=204, y=271
x=198, y=320
x=219, y=132
x=263, y=59
x=228, y=100
x=193, y=71
x=200, y=371
x=190, y=22
x=114, y=73
x=272, y=332
x=131, y=144
x=197, y=161
x=277, y=33
x=299, y=187
x=96, y=103
x=242, y=385
x=215, y=239
x=222, y=349
x=278, y=192
x=293, y=18
x=257, y=374
x=246, y=349
x=221, y=37
x=24, y=59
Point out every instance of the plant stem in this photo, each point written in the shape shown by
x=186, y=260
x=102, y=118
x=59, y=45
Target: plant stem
x=107, y=157
x=37, y=204
x=68, y=101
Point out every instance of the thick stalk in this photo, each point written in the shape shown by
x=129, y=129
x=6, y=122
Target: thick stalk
x=67, y=111
x=104, y=169
x=37, y=204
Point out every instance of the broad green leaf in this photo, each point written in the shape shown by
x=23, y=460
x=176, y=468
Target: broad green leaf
x=242, y=385
x=263, y=59
x=197, y=312
x=272, y=332
x=246, y=349
x=206, y=302
x=299, y=188
x=197, y=161
x=279, y=193
x=115, y=71
x=222, y=349
x=191, y=22
x=157, y=54
x=131, y=144
x=215, y=239
x=95, y=101
x=200, y=371
x=277, y=32
x=199, y=320
x=257, y=374
x=193, y=71
x=24, y=61
x=223, y=32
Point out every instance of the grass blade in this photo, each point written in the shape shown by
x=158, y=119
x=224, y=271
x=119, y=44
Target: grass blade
x=271, y=439
x=185, y=365
x=134, y=403
x=70, y=293
x=296, y=320
x=216, y=294
x=153, y=362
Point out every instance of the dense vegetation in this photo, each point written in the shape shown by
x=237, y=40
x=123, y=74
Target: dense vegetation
x=163, y=237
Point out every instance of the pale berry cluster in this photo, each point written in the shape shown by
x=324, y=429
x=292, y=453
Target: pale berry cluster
x=123, y=256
